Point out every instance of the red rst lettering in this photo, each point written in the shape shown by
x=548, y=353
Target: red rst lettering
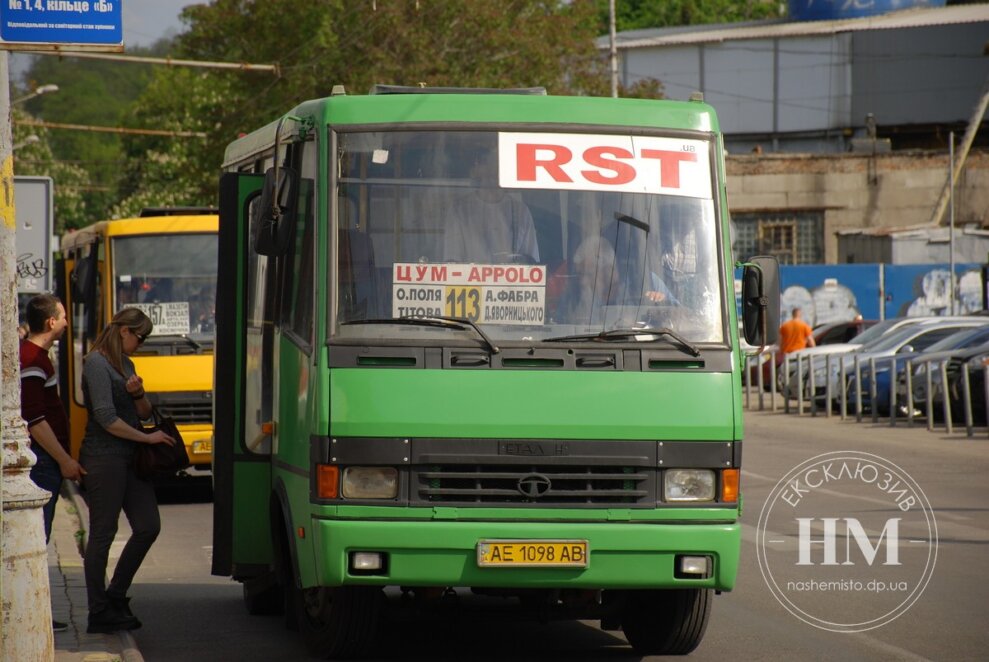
x=526, y=162
x=669, y=165
x=421, y=272
x=403, y=273
x=439, y=274
x=595, y=156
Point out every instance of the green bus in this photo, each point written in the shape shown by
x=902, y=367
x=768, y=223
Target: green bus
x=481, y=339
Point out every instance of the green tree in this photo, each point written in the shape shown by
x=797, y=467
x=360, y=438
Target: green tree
x=640, y=14
x=35, y=158
x=475, y=43
x=91, y=92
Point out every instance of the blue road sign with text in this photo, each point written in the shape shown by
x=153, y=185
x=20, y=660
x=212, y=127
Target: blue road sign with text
x=89, y=22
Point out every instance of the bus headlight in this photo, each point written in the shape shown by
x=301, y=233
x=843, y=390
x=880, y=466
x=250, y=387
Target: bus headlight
x=689, y=485
x=370, y=482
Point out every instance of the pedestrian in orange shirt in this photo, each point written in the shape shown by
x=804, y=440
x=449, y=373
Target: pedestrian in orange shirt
x=795, y=334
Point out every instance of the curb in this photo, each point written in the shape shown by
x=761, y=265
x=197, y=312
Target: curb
x=128, y=646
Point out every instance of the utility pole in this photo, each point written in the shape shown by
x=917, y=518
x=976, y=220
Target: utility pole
x=951, y=219
x=613, y=48
x=26, y=603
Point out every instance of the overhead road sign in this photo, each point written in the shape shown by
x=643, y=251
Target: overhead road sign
x=63, y=25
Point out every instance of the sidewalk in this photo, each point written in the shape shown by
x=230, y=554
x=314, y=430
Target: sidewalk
x=68, y=590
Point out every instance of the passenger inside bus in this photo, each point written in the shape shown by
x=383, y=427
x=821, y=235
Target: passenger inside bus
x=591, y=284
x=202, y=311
x=486, y=223
x=158, y=290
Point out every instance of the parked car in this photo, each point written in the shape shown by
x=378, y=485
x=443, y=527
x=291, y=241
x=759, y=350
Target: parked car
x=817, y=356
x=970, y=357
x=976, y=366
x=824, y=334
x=840, y=332
x=890, y=371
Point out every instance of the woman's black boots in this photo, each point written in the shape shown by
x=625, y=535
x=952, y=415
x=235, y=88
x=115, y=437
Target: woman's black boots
x=116, y=615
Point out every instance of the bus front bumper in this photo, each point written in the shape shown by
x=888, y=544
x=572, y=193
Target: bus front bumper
x=198, y=444
x=429, y=553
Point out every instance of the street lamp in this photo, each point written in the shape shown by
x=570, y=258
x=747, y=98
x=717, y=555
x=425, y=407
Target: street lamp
x=38, y=91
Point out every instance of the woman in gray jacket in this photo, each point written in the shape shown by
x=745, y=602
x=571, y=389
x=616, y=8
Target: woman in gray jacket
x=116, y=404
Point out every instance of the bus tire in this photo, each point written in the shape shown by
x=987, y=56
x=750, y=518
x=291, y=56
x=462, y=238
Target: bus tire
x=339, y=622
x=666, y=622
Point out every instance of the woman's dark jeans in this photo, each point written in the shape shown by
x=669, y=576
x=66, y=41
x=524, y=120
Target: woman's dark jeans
x=111, y=486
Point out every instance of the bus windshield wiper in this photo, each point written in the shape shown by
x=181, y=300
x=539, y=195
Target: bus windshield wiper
x=622, y=334
x=493, y=348
x=436, y=321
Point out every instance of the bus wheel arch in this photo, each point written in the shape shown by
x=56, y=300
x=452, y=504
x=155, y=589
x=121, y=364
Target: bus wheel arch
x=284, y=556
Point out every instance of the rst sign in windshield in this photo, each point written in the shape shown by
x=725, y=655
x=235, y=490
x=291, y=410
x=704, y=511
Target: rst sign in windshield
x=633, y=164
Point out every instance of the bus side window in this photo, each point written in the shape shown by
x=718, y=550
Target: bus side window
x=297, y=302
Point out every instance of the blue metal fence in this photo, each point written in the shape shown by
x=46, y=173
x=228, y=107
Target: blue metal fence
x=838, y=292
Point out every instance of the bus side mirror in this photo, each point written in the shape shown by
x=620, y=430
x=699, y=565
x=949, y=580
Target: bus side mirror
x=275, y=211
x=761, y=301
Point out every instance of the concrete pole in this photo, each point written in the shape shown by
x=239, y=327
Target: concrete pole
x=613, y=49
x=951, y=221
x=24, y=593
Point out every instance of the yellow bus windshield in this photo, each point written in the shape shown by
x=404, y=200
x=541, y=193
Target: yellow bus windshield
x=171, y=277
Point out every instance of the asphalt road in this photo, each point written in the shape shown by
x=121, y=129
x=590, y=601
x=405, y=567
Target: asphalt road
x=190, y=615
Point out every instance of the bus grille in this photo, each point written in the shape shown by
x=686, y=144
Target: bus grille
x=187, y=411
x=535, y=485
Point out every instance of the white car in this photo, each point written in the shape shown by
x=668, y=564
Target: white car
x=817, y=356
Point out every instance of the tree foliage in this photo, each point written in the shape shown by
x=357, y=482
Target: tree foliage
x=316, y=45
x=85, y=165
x=36, y=159
x=640, y=14
x=467, y=43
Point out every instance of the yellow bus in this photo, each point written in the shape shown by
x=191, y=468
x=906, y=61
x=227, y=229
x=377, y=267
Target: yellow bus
x=165, y=263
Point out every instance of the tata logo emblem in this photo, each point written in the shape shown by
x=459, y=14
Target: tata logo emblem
x=534, y=485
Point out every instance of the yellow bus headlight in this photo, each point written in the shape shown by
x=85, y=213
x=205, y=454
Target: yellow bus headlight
x=370, y=482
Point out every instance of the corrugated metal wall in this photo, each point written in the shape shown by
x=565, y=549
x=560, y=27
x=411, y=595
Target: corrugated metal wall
x=806, y=90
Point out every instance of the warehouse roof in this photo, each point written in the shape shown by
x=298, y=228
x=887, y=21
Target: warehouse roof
x=773, y=29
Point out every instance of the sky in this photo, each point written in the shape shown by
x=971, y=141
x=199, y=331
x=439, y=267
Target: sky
x=146, y=21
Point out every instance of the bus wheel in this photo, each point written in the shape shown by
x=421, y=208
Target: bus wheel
x=666, y=622
x=338, y=622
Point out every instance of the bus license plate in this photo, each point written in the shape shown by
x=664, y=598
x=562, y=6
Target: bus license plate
x=532, y=553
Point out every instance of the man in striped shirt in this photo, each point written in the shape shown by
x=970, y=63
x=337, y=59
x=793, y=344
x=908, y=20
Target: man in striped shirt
x=41, y=407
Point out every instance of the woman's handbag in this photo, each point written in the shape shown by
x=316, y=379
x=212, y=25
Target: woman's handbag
x=152, y=460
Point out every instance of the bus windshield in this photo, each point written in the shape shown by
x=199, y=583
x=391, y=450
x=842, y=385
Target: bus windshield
x=172, y=278
x=531, y=236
